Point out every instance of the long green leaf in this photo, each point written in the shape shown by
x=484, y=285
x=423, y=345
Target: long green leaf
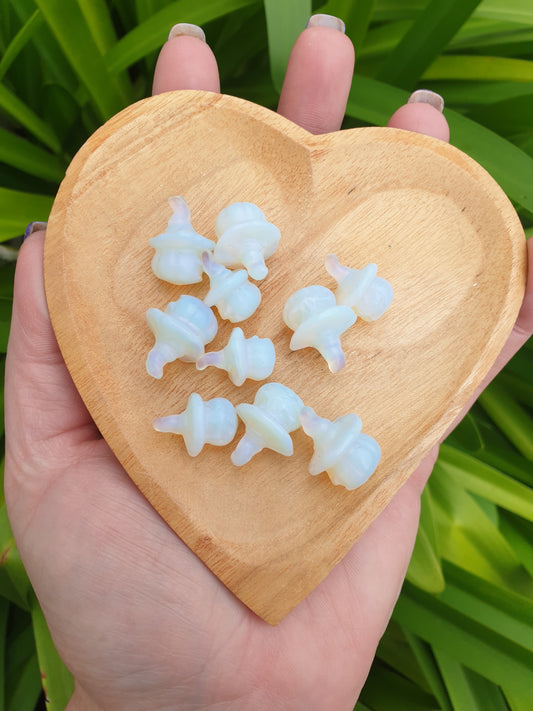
x=23, y=155
x=429, y=34
x=67, y=23
x=520, y=11
x=285, y=20
x=480, y=68
x=152, y=33
x=57, y=681
x=468, y=691
x=19, y=111
x=511, y=418
x=17, y=209
x=425, y=568
x=426, y=660
x=486, y=481
x=20, y=40
x=468, y=642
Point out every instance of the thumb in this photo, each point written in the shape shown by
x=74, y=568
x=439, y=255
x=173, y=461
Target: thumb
x=46, y=420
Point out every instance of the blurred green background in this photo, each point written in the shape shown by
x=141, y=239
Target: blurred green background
x=461, y=637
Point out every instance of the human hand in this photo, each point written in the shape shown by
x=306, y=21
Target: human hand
x=136, y=616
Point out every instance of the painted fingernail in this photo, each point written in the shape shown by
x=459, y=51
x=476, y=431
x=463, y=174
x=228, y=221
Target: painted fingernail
x=321, y=20
x=33, y=227
x=185, y=28
x=425, y=96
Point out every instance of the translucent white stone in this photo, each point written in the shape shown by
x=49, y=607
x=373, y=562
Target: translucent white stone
x=235, y=297
x=340, y=448
x=360, y=289
x=181, y=332
x=178, y=249
x=318, y=322
x=245, y=237
x=242, y=358
x=202, y=422
x=275, y=413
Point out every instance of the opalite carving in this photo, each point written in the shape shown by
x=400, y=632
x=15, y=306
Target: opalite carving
x=235, y=297
x=242, y=358
x=181, y=332
x=318, y=322
x=274, y=414
x=202, y=422
x=360, y=289
x=178, y=249
x=245, y=237
x=340, y=448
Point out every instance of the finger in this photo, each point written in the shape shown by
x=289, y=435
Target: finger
x=41, y=400
x=186, y=62
x=319, y=76
x=422, y=114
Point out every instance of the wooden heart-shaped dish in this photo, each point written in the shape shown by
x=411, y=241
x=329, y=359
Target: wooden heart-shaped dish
x=440, y=230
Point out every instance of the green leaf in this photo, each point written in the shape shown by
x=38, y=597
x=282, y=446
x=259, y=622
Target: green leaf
x=57, y=681
x=18, y=110
x=426, y=38
x=17, y=209
x=385, y=689
x=29, y=158
x=285, y=20
x=20, y=40
x=480, y=69
x=152, y=33
x=520, y=11
x=468, y=691
x=426, y=660
x=424, y=568
x=486, y=652
x=511, y=418
x=482, y=479
x=79, y=46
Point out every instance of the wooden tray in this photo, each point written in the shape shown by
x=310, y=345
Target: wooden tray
x=439, y=228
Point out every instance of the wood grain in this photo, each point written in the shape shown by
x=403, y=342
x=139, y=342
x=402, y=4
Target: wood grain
x=439, y=228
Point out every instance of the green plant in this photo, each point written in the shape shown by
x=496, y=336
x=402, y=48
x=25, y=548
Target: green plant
x=461, y=637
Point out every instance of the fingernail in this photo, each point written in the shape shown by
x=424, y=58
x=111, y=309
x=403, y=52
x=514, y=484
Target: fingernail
x=33, y=227
x=321, y=20
x=185, y=28
x=425, y=96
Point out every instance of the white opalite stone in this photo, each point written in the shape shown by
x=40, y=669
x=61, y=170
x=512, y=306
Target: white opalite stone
x=340, y=448
x=318, y=322
x=178, y=249
x=235, y=297
x=181, y=332
x=242, y=358
x=202, y=422
x=245, y=237
x=275, y=413
x=360, y=289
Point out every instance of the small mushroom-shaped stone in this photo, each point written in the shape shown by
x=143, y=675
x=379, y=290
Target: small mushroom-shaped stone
x=317, y=321
x=242, y=358
x=181, y=332
x=235, y=297
x=360, y=289
x=245, y=237
x=202, y=422
x=275, y=413
x=179, y=247
x=340, y=448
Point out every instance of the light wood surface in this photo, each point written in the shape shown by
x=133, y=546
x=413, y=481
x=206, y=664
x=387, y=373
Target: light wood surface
x=438, y=227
